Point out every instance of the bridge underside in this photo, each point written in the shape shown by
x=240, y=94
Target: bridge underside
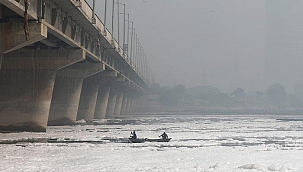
x=64, y=72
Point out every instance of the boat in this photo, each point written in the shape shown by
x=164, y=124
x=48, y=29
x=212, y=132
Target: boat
x=142, y=140
x=158, y=140
x=137, y=140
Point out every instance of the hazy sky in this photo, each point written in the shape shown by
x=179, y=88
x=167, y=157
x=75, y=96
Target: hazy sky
x=224, y=43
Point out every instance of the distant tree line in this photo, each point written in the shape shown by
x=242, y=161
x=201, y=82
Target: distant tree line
x=168, y=95
x=275, y=95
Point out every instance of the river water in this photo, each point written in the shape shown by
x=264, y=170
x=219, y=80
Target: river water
x=205, y=143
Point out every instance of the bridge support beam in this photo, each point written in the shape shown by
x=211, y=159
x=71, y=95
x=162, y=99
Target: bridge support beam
x=102, y=101
x=124, y=103
x=67, y=91
x=118, y=104
x=26, y=85
x=110, y=110
x=135, y=104
x=106, y=77
x=128, y=104
x=88, y=98
x=1, y=12
x=12, y=35
x=132, y=105
x=115, y=97
x=65, y=101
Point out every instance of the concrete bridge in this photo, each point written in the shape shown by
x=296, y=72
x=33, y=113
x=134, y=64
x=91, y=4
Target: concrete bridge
x=59, y=63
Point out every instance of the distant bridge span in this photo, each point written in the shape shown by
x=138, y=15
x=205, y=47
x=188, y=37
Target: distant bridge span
x=68, y=67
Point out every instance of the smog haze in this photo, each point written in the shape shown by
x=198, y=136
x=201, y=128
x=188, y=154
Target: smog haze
x=226, y=44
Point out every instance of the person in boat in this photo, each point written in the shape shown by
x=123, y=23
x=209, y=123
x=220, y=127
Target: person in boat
x=164, y=135
x=133, y=135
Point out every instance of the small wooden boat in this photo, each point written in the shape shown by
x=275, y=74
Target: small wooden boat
x=137, y=140
x=158, y=140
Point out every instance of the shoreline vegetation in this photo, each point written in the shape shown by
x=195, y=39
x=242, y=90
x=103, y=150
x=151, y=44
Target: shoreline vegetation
x=219, y=111
x=210, y=100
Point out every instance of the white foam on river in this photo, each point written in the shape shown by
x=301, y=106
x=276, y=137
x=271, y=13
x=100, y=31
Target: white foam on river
x=214, y=143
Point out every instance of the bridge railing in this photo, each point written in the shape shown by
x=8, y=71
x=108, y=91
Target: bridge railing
x=88, y=11
x=34, y=13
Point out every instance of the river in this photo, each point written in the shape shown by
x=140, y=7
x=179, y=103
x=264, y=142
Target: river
x=205, y=143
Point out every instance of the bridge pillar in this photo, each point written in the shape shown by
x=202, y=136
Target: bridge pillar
x=132, y=104
x=94, y=97
x=65, y=101
x=135, y=106
x=26, y=85
x=103, y=93
x=88, y=98
x=115, y=97
x=110, y=110
x=119, y=100
x=131, y=109
x=124, y=103
x=67, y=91
x=1, y=12
x=128, y=104
x=102, y=101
